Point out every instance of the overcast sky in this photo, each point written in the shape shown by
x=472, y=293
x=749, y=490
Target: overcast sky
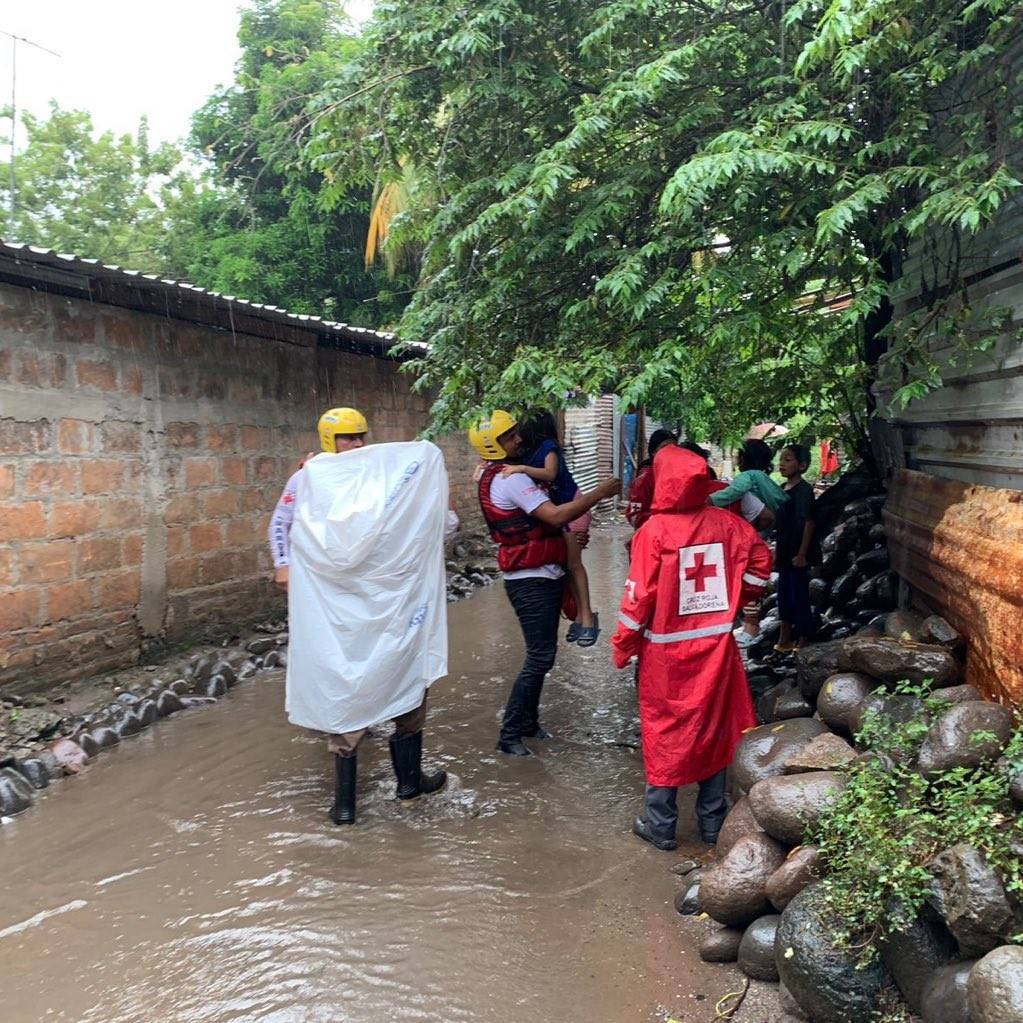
x=120, y=59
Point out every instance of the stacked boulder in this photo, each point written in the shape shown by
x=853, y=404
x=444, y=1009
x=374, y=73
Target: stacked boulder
x=763, y=891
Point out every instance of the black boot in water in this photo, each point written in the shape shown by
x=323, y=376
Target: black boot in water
x=407, y=758
x=343, y=810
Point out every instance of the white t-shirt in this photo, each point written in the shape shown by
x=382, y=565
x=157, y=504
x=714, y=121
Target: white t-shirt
x=519, y=491
x=752, y=506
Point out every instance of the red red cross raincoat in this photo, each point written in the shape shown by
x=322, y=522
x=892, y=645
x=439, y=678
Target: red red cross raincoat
x=693, y=567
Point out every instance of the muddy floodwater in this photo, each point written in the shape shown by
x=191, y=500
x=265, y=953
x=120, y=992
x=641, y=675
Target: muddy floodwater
x=191, y=875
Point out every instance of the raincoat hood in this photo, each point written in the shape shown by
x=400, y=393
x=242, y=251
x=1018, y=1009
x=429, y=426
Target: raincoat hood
x=681, y=480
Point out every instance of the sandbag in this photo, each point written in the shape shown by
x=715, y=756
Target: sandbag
x=367, y=607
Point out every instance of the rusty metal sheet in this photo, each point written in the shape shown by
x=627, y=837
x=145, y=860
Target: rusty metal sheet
x=960, y=547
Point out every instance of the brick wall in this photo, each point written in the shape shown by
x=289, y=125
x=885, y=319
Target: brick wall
x=140, y=458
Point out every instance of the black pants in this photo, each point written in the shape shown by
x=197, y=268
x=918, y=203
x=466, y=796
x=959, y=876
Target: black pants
x=794, y=604
x=711, y=807
x=537, y=604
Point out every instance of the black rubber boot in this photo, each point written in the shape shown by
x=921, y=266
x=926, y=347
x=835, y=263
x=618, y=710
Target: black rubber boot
x=407, y=759
x=343, y=810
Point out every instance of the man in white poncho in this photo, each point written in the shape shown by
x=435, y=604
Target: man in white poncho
x=366, y=597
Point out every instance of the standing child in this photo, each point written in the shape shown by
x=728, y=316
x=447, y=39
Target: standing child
x=545, y=461
x=795, y=550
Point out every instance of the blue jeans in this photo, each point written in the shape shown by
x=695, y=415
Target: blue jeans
x=711, y=807
x=537, y=604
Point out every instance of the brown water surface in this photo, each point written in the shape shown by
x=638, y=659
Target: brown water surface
x=191, y=875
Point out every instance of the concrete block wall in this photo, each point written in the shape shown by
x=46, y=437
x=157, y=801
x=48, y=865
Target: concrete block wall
x=140, y=458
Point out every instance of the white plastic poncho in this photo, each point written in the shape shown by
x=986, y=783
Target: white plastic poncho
x=367, y=603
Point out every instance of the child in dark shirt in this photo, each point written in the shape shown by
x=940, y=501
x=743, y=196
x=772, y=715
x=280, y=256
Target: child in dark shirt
x=795, y=550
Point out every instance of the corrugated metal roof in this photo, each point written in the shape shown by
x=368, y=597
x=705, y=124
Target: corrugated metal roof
x=64, y=273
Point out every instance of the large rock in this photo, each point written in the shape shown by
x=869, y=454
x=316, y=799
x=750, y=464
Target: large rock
x=950, y=741
x=167, y=703
x=906, y=627
x=890, y=661
x=782, y=702
x=941, y=633
x=721, y=945
x=34, y=771
x=788, y=807
x=828, y=752
x=970, y=896
x=798, y=871
x=687, y=901
x=957, y=694
x=816, y=663
x=734, y=890
x=739, y=823
x=762, y=751
x=899, y=708
x=995, y=987
x=820, y=975
x=944, y=997
x=756, y=950
x=915, y=952
x=15, y=792
x=840, y=698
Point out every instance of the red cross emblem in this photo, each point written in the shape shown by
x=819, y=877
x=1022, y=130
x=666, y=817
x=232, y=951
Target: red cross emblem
x=701, y=572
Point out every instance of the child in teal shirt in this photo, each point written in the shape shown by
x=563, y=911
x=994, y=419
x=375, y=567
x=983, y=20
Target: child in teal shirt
x=754, y=465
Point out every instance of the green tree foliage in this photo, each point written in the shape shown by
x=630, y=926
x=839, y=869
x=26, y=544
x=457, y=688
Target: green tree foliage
x=665, y=197
x=256, y=224
x=102, y=196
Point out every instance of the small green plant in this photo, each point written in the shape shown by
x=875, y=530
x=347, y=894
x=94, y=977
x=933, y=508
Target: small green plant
x=877, y=838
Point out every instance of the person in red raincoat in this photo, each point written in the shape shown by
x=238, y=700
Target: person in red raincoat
x=693, y=566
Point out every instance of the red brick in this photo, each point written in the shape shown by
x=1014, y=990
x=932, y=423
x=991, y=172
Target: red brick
x=235, y=470
x=212, y=387
x=123, y=437
x=101, y=376
x=242, y=392
x=200, y=472
x=24, y=438
x=20, y=609
x=132, y=380
x=23, y=521
x=265, y=468
x=182, y=508
x=174, y=381
x=124, y=513
x=183, y=573
x=68, y=600
x=59, y=477
x=74, y=323
x=6, y=481
x=221, y=438
x=46, y=562
x=188, y=342
x=101, y=475
x=182, y=435
x=242, y=533
x=120, y=590
x=256, y=499
x=5, y=365
x=124, y=332
x=220, y=567
x=207, y=536
x=254, y=438
x=75, y=436
x=98, y=554
x=73, y=518
x=177, y=542
x=220, y=503
x=37, y=369
x=132, y=550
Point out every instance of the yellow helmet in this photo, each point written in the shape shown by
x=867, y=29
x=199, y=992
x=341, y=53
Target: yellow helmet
x=334, y=421
x=483, y=436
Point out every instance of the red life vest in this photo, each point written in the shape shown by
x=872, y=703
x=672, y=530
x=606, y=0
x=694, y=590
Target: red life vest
x=522, y=541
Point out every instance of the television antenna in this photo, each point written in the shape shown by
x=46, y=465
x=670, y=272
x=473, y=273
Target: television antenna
x=14, y=102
